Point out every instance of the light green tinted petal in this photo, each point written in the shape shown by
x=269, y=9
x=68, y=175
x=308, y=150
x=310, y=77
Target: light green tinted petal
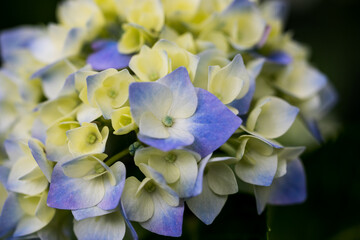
x=276, y=117
x=152, y=70
x=169, y=197
x=170, y=171
x=207, y=205
x=187, y=165
x=261, y=195
x=221, y=179
x=144, y=154
x=43, y=212
x=229, y=81
x=138, y=207
x=107, y=227
x=152, y=127
x=132, y=39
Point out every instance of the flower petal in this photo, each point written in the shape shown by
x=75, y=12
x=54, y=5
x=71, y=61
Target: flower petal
x=167, y=220
x=108, y=56
x=113, y=193
x=74, y=193
x=90, y=212
x=10, y=215
x=221, y=179
x=151, y=126
x=149, y=96
x=184, y=96
x=106, y=227
x=211, y=125
x=138, y=207
x=39, y=155
x=207, y=205
x=291, y=188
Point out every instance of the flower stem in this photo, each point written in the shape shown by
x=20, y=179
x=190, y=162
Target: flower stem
x=116, y=157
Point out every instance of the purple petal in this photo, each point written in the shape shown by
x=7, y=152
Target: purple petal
x=243, y=104
x=280, y=57
x=4, y=173
x=128, y=223
x=17, y=38
x=106, y=56
x=166, y=220
x=312, y=126
x=212, y=124
x=113, y=193
x=10, y=215
x=291, y=188
x=167, y=144
x=73, y=193
x=199, y=180
x=90, y=212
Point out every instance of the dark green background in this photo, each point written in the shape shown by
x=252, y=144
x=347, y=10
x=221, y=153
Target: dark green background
x=332, y=211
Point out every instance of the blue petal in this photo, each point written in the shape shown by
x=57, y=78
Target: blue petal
x=168, y=143
x=199, y=180
x=106, y=56
x=17, y=38
x=113, y=193
x=312, y=126
x=291, y=188
x=4, y=173
x=38, y=130
x=40, y=157
x=243, y=104
x=212, y=124
x=10, y=215
x=166, y=220
x=81, y=214
x=73, y=193
x=128, y=223
x=280, y=57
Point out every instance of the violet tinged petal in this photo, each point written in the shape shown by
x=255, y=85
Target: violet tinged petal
x=243, y=104
x=168, y=144
x=312, y=126
x=291, y=188
x=212, y=124
x=108, y=56
x=40, y=157
x=128, y=223
x=167, y=220
x=10, y=215
x=81, y=214
x=73, y=193
x=280, y=57
x=199, y=180
x=113, y=193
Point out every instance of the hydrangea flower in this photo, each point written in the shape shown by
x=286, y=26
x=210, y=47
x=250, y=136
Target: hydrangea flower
x=171, y=113
x=158, y=88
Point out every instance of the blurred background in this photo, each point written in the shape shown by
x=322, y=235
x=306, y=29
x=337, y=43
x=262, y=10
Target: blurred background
x=331, y=29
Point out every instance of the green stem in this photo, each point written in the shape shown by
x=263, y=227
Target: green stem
x=116, y=157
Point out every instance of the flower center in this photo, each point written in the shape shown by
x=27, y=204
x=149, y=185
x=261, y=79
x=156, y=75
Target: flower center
x=125, y=120
x=168, y=121
x=112, y=93
x=91, y=138
x=170, y=157
x=150, y=187
x=154, y=76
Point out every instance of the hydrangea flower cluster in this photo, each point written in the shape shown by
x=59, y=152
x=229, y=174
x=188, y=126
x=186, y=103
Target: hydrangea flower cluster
x=126, y=110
